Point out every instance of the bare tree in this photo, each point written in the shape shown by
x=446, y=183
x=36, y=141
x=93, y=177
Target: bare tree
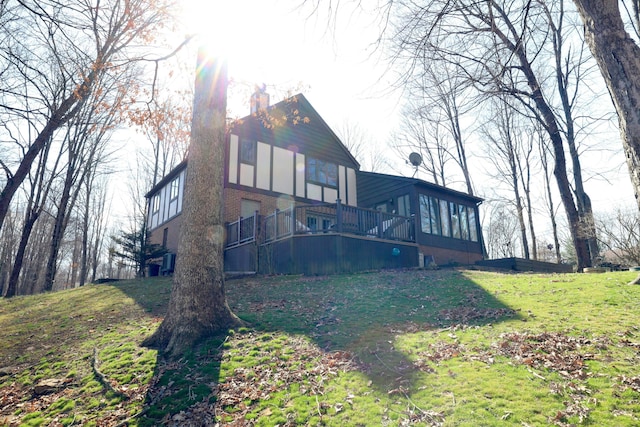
x=36, y=199
x=55, y=56
x=543, y=151
x=438, y=101
x=85, y=140
x=362, y=147
x=571, y=68
x=94, y=215
x=165, y=122
x=497, y=46
x=620, y=235
x=198, y=306
x=507, y=152
x=501, y=234
x=425, y=136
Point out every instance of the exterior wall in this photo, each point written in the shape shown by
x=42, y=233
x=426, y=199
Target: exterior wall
x=379, y=190
x=173, y=233
x=442, y=256
x=167, y=206
x=284, y=171
x=320, y=254
x=268, y=203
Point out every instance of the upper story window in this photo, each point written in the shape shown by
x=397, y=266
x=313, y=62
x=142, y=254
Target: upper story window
x=247, y=151
x=175, y=185
x=322, y=172
x=155, y=203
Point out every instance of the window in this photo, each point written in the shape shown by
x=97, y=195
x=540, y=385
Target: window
x=247, y=151
x=312, y=223
x=404, y=205
x=425, y=214
x=464, y=225
x=429, y=214
x=455, y=220
x=322, y=172
x=434, y=215
x=449, y=219
x=473, y=231
x=444, y=215
x=319, y=223
x=248, y=208
x=175, y=185
x=155, y=203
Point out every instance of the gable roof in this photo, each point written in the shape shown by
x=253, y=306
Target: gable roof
x=295, y=125
x=305, y=131
x=371, y=185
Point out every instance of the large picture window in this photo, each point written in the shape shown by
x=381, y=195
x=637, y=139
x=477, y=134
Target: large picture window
x=322, y=172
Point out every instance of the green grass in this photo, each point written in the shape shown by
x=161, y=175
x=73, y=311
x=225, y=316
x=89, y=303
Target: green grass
x=449, y=347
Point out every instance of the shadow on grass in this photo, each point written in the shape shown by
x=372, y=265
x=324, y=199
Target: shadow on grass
x=178, y=388
x=360, y=314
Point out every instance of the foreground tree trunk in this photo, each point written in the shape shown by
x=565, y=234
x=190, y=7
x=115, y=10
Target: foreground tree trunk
x=618, y=57
x=198, y=307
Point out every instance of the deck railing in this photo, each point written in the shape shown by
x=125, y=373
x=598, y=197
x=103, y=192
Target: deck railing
x=243, y=230
x=338, y=218
x=279, y=224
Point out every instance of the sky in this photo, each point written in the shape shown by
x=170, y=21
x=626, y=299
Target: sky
x=290, y=49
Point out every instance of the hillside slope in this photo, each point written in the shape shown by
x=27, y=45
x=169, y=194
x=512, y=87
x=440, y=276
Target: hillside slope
x=395, y=347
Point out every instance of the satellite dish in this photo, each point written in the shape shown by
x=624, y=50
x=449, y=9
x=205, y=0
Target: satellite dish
x=415, y=159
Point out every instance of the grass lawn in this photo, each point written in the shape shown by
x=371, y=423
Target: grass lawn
x=417, y=347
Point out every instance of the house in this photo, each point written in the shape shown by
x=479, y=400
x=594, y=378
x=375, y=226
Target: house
x=447, y=222
x=292, y=201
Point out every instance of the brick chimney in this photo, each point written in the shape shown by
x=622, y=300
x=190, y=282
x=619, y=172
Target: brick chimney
x=259, y=99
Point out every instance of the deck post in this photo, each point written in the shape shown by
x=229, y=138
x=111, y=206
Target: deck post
x=275, y=225
x=239, y=229
x=255, y=226
x=338, y=215
x=414, y=229
x=379, y=215
x=294, y=223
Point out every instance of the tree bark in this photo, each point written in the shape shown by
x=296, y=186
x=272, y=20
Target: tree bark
x=618, y=58
x=198, y=306
x=29, y=222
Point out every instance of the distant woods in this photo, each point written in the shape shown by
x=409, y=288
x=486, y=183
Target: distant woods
x=71, y=76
